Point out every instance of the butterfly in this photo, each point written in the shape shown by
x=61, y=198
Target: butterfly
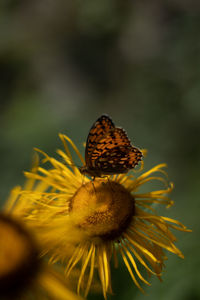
x=108, y=150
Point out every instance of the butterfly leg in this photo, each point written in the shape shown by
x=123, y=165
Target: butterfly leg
x=108, y=178
x=94, y=185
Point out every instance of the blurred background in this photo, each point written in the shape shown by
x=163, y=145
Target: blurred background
x=64, y=63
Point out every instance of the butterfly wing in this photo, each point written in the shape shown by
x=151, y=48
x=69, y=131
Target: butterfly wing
x=118, y=160
x=97, y=132
x=114, y=154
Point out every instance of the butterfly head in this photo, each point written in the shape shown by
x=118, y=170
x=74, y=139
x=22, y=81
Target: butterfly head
x=83, y=170
x=87, y=171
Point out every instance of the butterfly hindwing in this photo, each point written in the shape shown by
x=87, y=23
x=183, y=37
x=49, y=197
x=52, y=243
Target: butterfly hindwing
x=117, y=160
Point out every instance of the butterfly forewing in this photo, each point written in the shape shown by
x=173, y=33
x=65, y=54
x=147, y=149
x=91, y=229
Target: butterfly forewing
x=99, y=129
x=115, y=137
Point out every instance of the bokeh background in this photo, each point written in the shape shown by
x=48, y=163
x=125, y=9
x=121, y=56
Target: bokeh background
x=64, y=63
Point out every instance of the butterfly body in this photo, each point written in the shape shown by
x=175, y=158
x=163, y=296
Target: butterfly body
x=91, y=172
x=109, y=150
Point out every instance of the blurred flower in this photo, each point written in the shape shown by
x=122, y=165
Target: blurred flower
x=24, y=274
x=112, y=215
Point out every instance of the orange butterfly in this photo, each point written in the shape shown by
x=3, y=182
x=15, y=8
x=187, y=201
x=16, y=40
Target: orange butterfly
x=109, y=150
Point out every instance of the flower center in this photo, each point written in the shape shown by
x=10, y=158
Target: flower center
x=106, y=208
x=18, y=257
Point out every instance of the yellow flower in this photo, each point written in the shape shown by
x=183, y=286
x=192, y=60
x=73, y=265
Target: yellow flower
x=113, y=215
x=24, y=274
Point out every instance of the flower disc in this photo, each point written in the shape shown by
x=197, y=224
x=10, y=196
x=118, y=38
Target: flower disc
x=108, y=208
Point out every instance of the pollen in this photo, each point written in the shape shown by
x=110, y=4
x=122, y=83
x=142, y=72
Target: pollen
x=108, y=208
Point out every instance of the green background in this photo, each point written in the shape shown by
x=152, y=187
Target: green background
x=64, y=63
